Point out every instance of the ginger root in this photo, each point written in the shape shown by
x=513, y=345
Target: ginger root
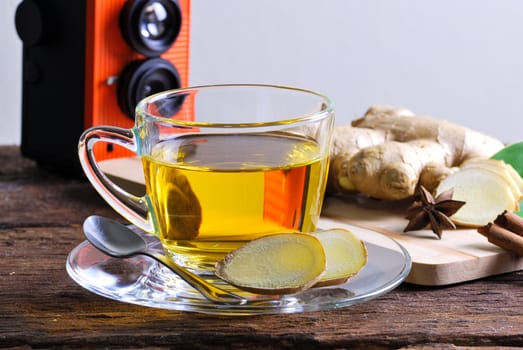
x=389, y=151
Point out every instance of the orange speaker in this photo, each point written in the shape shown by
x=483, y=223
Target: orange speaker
x=88, y=63
x=137, y=48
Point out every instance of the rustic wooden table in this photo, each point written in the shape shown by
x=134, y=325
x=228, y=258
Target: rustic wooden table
x=41, y=307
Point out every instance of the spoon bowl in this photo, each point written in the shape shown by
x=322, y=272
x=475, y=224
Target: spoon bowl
x=118, y=241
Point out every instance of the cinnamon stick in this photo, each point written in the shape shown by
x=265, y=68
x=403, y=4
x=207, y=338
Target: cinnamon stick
x=511, y=222
x=503, y=238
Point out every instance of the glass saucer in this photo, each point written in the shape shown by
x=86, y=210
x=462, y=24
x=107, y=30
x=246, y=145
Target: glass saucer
x=141, y=280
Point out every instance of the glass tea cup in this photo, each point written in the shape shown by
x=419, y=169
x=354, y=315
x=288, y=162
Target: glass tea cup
x=223, y=165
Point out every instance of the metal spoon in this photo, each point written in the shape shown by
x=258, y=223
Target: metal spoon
x=117, y=240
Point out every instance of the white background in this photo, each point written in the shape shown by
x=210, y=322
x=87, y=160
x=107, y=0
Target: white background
x=460, y=60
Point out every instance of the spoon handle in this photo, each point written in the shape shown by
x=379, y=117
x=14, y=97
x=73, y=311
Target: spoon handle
x=207, y=289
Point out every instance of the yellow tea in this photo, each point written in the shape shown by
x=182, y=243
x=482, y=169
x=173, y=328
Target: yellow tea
x=211, y=193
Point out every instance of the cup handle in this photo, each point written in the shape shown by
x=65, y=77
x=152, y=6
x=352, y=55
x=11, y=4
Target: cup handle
x=133, y=208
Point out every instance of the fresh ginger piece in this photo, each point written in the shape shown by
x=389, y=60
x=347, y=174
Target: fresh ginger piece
x=503, y=169
x=460, y=143
x=432, y=174
x=485, y=192
x=346, y=256
x=283, y=263
x=391, y=170
x=388, y=152
x=515, y=176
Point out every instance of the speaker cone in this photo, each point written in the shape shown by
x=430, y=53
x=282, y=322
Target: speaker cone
x=150, y=27
x=142, y=78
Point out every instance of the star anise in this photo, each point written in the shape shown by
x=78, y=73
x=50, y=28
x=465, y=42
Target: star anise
x=434, y=211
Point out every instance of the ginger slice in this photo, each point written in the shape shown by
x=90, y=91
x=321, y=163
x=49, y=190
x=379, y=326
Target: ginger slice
x=346, y=256
x=283, y=263
x=486, y=193
x=503, y=169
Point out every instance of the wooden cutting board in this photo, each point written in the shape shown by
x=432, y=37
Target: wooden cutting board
x=461, y=255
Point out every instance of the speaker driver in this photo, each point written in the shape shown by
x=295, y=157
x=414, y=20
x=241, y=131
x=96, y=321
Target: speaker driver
x=142, y=78
x=151, y=27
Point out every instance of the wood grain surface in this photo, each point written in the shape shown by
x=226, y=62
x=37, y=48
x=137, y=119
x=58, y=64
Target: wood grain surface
x=41, y=307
